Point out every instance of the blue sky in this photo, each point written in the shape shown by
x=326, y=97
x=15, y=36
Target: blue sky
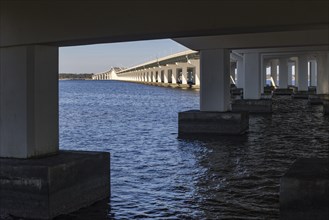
x=100, y=57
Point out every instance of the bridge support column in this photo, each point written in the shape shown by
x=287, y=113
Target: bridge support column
x=197, y=73
x=323, y=74
x=263, y=75
x=213, y=117
x=302, y=73
x=302, y=79
x=184, y=75
x=313, y=69
x=240, y=73
x=251, y=101
x=165, y=75
x=283, y=78
x=159, y=75
x=29, y=130
x=283, y=73
x=274, y=71
x=174, y=76
x=290, y=65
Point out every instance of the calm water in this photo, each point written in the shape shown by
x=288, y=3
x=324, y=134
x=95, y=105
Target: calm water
x=155, y=175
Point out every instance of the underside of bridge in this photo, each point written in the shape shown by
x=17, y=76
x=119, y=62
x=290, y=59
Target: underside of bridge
x=32, y=31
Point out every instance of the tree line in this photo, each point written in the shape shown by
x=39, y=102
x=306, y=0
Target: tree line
x=81, y=76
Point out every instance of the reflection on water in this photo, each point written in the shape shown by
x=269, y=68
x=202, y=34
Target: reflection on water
x=156, y=175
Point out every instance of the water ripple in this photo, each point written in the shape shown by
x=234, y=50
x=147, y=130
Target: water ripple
x=157, y=176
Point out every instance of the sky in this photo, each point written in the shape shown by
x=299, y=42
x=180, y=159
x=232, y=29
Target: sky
x=101, y=57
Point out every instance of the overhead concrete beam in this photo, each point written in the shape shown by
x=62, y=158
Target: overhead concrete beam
x=258, y=40
x=71, y=22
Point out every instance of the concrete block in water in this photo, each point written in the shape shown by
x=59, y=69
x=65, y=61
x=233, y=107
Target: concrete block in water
x=304, y=190
x=252, y=105
x=268, y=89
x=326, y=107
x=294, y=88
x=301, y=95
x=314, y=100
x=197, y=123
x=46, y=187
x=317, y=99
x=283, y=91
x=237, y=91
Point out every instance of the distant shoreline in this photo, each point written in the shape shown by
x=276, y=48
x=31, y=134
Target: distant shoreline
x=75, y=76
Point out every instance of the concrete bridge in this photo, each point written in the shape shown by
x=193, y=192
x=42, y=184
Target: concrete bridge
x=286, y=69
x=32, y=31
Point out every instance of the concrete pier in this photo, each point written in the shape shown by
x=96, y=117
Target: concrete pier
x=37, y=181
x=301, y=95
x=196, y=123
x=304, y=190
x=214, y=117
x=326, y=107
x=281, y=91
x=252, y=105
x=47, y=187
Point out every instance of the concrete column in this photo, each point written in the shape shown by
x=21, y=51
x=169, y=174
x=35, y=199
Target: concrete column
x=184, y=75
x=159, y=74
x=154, y=76
x=283, y=73
x=290, y=64
x=174, y=76
x=196, y=63
x=313, y=69
x=152, y=73
x=252, y=76
x=28, y=101
x=323, y=74
x=302, y=73
x=232, y=71
x=274, y=71
x=263, y=75
x=166, y=75
x=240, y=73
x=215, y=80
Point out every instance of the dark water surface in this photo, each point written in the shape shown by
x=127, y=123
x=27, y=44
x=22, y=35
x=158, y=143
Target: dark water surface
x=157, y=176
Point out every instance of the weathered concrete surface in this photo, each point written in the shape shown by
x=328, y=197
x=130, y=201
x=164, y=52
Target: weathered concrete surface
x=199, y=123
x=283, y=92
x=252, y=106
x=317, y=99
x=268, y=89
x=304, y=190
x=301, y=94
x=326, y=107
x=236, y=91
x=294, y=88
x=314, y=100
x=47, y=187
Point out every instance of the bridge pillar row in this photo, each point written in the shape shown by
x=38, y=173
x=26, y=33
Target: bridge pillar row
x=32, y=167
x=214, y=116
